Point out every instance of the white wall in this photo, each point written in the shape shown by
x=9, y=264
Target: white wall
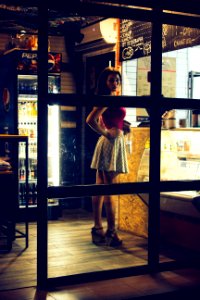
x=186, y=60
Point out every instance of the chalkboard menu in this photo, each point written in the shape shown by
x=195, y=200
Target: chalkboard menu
x=135, y=38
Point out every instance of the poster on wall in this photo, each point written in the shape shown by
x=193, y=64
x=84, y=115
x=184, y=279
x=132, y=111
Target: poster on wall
x=168, y=76
x=143, y=85
x=27, y=61
x=135, y=38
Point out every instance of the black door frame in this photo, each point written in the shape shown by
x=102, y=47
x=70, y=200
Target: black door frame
x=154, y=103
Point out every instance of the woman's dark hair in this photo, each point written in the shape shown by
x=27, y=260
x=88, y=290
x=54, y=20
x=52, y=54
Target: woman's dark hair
x=102, y=88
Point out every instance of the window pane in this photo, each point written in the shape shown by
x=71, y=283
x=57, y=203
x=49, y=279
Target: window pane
x=180, y=153
x=179, y=225
x=135, y=50
x=180, y=70
x=70, y=247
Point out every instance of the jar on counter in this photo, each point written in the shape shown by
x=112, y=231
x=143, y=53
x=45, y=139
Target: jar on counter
x=195, y=118
x=169, y=119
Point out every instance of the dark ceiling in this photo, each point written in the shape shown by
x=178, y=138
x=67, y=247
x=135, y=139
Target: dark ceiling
x=18, y=15
x=18, y=18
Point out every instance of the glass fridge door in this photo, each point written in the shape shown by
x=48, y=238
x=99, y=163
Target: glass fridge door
x=27, y=125
x=53, y=146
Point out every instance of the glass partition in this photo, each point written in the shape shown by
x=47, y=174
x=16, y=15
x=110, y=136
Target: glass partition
x=72, y=251
x=180, y=70
x=77, y=141
x=180, y=154
x=179, y=226
x=70, y=247
x=180, y=210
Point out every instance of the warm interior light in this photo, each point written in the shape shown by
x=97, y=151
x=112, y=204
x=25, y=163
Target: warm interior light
x=54, y=142
x=108, y=30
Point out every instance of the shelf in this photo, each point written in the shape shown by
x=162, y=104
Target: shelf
x=14, y=137
x=188, y=156
x=7, y=172
x=30, y=180
x=30, y=206
x=24, y=97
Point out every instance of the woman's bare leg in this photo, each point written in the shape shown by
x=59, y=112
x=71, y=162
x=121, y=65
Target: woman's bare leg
x=97, y=203
x=112, y=238
x=110, y=201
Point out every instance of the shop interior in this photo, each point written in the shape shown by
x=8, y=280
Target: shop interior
x=79, y=48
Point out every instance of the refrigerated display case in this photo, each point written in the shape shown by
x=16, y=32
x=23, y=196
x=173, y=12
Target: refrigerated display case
x=180, y=160
x=18, y=112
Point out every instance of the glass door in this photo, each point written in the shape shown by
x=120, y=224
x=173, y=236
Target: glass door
x=27, y=125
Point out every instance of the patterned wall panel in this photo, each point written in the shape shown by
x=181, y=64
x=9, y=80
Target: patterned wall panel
x=133, y=212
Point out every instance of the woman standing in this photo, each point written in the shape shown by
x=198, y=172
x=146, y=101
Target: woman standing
x=109, y=158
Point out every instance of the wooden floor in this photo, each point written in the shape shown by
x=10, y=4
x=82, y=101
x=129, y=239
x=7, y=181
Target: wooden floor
x=171, y=285
x=70, y=251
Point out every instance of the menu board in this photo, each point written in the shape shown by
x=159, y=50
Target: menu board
x=135, y=38
x=178, y=37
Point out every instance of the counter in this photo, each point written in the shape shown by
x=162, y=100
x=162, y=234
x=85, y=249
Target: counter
x=180, y=211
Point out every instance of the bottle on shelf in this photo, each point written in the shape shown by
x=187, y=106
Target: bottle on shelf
x=32, y=171
x=22, y=170
x=30, y=194
x=34, y=193
x=21, y=194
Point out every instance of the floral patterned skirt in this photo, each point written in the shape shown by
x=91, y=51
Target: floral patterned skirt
x=110, y=155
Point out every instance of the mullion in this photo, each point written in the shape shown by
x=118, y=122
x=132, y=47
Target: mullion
x=155, y=137
x=42, y=142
